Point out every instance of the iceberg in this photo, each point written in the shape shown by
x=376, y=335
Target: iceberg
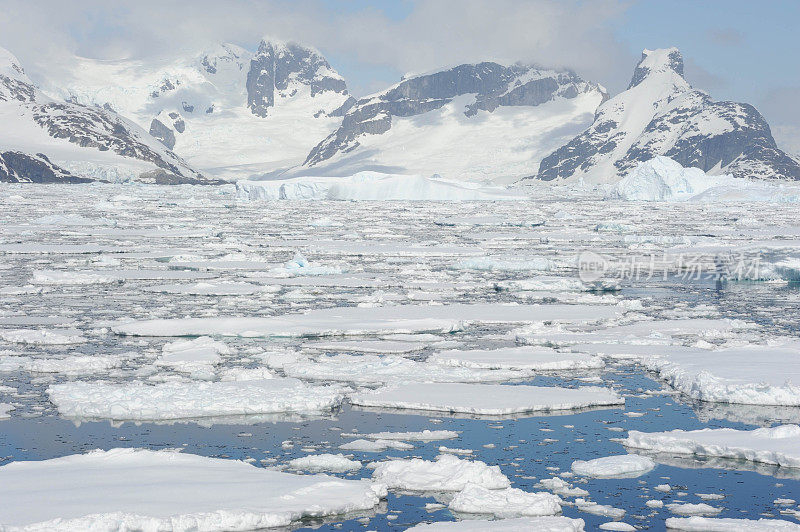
x=372, y=186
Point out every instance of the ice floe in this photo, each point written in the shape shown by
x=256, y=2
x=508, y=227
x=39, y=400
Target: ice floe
x=726, y=524
x=424, y=435
x=445, y=473
x=504, y=503
x=332, y=463
x=42, y=336
x=132, y=489
x=486, y=399
x=619, y=466
x=778, y=446
x=187, y=400
x=380, y=320
x=535, y=358
x=753, y=374
x=519, y=524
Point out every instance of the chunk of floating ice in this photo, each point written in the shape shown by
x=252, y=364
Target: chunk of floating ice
x=381, y=369
x=371, y=186
x=718, y=524
x=69, y=365
x=620, y=466
x=369, y=346
x=562, y=487
x=519, y=524
x=5, y=410
x=486, y=399
x=380, y=320
x=777, y=445
x=617, y=526
x=537, y=358
x=654, y=503
x=446, y=473
x=57, y=249
x=452, y=450
x=504, y=503
x=134, y=489
x=760, y=375
x=317, y=463
x=506, y=264
x=599, y=509
x=196, y=356
x=693, y=509
x=211, y=289
x=375, y=446
x=542, y=284
x=185, y=400
x=425, y=435
x=42, y=336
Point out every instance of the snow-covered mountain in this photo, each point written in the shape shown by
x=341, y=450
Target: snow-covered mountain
x=227, y=111
x=474, y=121
x=45, y=140
x=661, y=114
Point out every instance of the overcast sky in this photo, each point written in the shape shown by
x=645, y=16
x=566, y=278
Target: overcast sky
x=735, y=49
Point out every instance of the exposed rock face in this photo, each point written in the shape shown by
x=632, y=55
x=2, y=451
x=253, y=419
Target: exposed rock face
x=661, y=114
x=161, y=132
x=492, y=85
x=18, y=167
x=279, y=67
x=91, y=127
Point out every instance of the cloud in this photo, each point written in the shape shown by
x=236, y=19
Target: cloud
x=435, y=33
x=726, y=36
x=701, y=78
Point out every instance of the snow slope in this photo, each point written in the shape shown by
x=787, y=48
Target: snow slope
x=661, y=114
x=480, y=121
x=229, y=112
x=86, y=141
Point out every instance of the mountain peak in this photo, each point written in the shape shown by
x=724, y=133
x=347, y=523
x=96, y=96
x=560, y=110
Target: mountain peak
x=661, y=61
x=283, y=66
x=11, y=67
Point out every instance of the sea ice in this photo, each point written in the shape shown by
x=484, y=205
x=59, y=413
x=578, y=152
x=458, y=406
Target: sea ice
x=42, y=336
x=777, y=445
x=184, y=400
x=486, y=399
x=620, y=466
x=718, y=524
x=604, y=510
x=504, y=503
x=534, y=358
x=368, y=369
x=375, y=446
x=379, y=320
x=446, y=473
x=693, y=509
x=318, y=463
x=133, y=489
x=760, y=375
x=519, y=524
x=425, y=435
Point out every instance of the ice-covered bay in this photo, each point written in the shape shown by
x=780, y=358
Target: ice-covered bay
x=103, y=305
